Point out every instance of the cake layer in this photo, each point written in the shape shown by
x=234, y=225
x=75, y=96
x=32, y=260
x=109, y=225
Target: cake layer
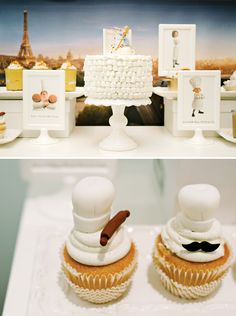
x=118, y=77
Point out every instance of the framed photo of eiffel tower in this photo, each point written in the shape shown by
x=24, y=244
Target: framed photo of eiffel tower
x=44, y=99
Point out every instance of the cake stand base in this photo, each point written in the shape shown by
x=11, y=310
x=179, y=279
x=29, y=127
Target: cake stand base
x=44, y=138
x=199, y=139
x=118, y=140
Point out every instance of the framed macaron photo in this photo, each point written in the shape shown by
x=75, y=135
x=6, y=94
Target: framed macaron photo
x=176, y=49
x=44, y=99
x=198, y=100
x=116, y=38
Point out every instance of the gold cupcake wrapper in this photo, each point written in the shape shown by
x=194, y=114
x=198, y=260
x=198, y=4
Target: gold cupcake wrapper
x=70, y=79
x=3, y=127
x=14, y=79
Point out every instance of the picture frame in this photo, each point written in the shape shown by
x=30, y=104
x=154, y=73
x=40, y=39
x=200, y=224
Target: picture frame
x=44, y=99
x=198, y=105
x=111, y=38
x=176, y=49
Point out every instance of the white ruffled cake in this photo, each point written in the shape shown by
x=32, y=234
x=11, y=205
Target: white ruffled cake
x=122, y=78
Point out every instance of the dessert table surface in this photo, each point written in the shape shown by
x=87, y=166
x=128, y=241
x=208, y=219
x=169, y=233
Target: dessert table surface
x=5, y=94
x=153, y=142
x=37, y=289
x=171, y=94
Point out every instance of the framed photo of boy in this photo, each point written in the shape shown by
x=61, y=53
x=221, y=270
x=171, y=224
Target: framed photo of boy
x=44, y=99
x=176, y=48
x=116, y=37
x=199, y=100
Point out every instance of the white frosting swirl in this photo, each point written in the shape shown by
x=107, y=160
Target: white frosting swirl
x=86, y=249
x=40, y=65
x=178, y=232
x=67, y=65
x=232, y=81
x=2, y=119
x=15, y=65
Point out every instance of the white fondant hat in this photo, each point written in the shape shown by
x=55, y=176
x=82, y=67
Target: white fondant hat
x=198, y=202
x=195, y=82
x=92, y=199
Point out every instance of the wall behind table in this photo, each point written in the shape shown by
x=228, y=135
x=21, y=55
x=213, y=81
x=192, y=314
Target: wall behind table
x=12, y=193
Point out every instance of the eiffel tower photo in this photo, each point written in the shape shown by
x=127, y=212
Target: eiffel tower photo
x=25, y=53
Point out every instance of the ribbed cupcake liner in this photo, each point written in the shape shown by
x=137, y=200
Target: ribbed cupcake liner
x=99, y=296
x=98, y=288
x=187, y=292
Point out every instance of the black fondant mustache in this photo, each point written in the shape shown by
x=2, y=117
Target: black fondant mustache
x=204, y=246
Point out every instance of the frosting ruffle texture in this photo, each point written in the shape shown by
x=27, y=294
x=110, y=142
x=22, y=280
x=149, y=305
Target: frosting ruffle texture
x=86, y=249
x=180, y=230
x=115, y=77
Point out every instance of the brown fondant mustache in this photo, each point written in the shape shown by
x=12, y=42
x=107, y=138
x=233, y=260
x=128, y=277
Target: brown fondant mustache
x=204, y=246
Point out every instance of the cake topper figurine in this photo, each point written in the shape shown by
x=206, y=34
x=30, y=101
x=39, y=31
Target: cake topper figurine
x=124, y=41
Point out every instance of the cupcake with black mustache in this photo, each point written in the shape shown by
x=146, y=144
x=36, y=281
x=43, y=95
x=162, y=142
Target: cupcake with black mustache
x=191, y=254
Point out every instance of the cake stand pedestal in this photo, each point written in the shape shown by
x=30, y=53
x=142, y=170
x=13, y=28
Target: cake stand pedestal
x=118, y=140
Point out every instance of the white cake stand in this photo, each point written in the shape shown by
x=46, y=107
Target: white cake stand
x=118, y=140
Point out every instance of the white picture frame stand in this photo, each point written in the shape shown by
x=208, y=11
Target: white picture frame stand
x=186, y=47
x=188, y=102
x=37, y=116
x=44, y=138
x=199, y=139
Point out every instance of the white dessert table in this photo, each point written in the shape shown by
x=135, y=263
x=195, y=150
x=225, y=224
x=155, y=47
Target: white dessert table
x=153, y=142
x=170, y=95
x=36, y=289
x=5, y=94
